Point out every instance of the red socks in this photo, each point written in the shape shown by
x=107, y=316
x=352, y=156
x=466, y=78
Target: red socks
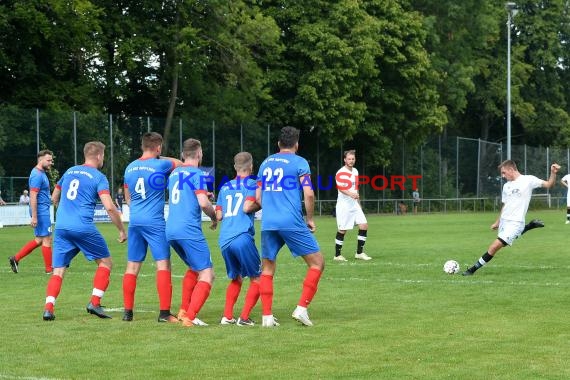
x=251, y=298
x=232, y=294
x=164, y=288
x=199, y=297
x=266, y=293
x=100, y=284
x=27, y=249
x=129, y=287
x=309, y=286
x=188, y=284
x=46, y=253
x=52, y=291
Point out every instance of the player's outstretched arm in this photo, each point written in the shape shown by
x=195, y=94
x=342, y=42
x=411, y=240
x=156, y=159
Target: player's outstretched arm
x=554, y=168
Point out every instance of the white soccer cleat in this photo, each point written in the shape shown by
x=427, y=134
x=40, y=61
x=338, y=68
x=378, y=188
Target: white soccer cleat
x=568, y=222
x=226, y=321
x=340, y=258
x=198, y=322
x=269, y=321
x=362, y=256
x=300, y=315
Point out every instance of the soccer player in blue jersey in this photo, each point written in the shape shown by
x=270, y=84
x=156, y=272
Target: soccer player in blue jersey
x=40, y=202
x=284, y=180
x=236, y=239
x=76, y=193
x=188, y=197
x=145, y=185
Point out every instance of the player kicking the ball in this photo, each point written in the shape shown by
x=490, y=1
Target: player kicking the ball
x=516, y=198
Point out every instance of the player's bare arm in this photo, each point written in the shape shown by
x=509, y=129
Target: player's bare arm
x=34, y=208
x=115, y=216
x=127, y=195
x=554, y=168
x=309, y=198
x=251, y=205
x=208, y=209
x=55, y=195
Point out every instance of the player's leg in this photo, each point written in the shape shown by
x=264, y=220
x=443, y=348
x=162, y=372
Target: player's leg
x=304, y=244
x=52, y=292
x=23, y=252
x=200, y=260
x=271, y=243
x=338, y=243
x=344, y=222
x=136, y=253
x=487, y=256
x=155, y=236
x=233, y=289
x=43, y=230
x=188, y=282
x=568, y=207
x=62, y=256
x=250, y=267
x=362, y=233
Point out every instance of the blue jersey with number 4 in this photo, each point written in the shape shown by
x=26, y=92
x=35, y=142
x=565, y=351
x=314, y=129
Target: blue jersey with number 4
x=230, y=201
x=146, y=180
x=281, y=178
x=80, y=189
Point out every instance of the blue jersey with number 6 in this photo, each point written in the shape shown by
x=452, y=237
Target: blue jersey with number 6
x=80, y=188
x=281, y=177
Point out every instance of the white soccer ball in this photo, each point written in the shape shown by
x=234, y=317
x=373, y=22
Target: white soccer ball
x=451, y=267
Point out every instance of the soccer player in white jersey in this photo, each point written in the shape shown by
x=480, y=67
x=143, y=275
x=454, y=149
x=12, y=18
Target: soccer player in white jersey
x=348, y=209
x=517, y=192
x=564, y=181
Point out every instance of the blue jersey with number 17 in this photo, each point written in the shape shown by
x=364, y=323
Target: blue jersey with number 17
x=230, y=201
x=280, y=179
x=80, y=188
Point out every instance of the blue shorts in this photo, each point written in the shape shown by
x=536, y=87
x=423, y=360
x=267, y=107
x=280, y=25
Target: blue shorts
x=300, y=243
x=43, y=228
x=66, y=245
x=194, y=253
x=143, y=237
x=242, y=258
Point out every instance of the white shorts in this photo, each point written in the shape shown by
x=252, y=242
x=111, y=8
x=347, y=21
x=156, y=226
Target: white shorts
x=510, y=230
x=347, y=217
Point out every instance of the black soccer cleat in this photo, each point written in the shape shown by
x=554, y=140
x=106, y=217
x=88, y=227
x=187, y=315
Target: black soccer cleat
x=468, y=273
x=13, y=264
x=48, y=316
x=167, y=318
x=97, y=310
x=128, y=315
x=535, y=223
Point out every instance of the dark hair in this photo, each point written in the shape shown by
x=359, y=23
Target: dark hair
x=151, y=140
x=289, y=137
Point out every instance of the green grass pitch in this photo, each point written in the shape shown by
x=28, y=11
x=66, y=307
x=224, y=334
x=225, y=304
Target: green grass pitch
x=395, y=317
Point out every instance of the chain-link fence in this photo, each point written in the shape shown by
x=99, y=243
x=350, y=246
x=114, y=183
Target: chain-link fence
x=450, y=167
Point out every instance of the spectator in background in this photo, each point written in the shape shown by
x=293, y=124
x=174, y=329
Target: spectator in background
x=416, y=199
x=2, y=203
x=24, y=198
x=119, y=198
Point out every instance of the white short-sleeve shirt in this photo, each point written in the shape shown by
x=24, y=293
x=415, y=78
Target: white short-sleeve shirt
x=516, y=197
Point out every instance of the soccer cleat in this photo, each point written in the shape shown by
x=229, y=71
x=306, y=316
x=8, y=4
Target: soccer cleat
x=468, y=273
x=13, y=264
x=96, y=310
x=198, y=322
x=535, y=223
x=300, y=315
x=246, y=322
x=226, y=321
x=48, y=316
x=568, y=222
x=181, y=314
x=269, y=321
x=362, y=256
x=340, y=258
x=167, y=318
x=128, y=315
